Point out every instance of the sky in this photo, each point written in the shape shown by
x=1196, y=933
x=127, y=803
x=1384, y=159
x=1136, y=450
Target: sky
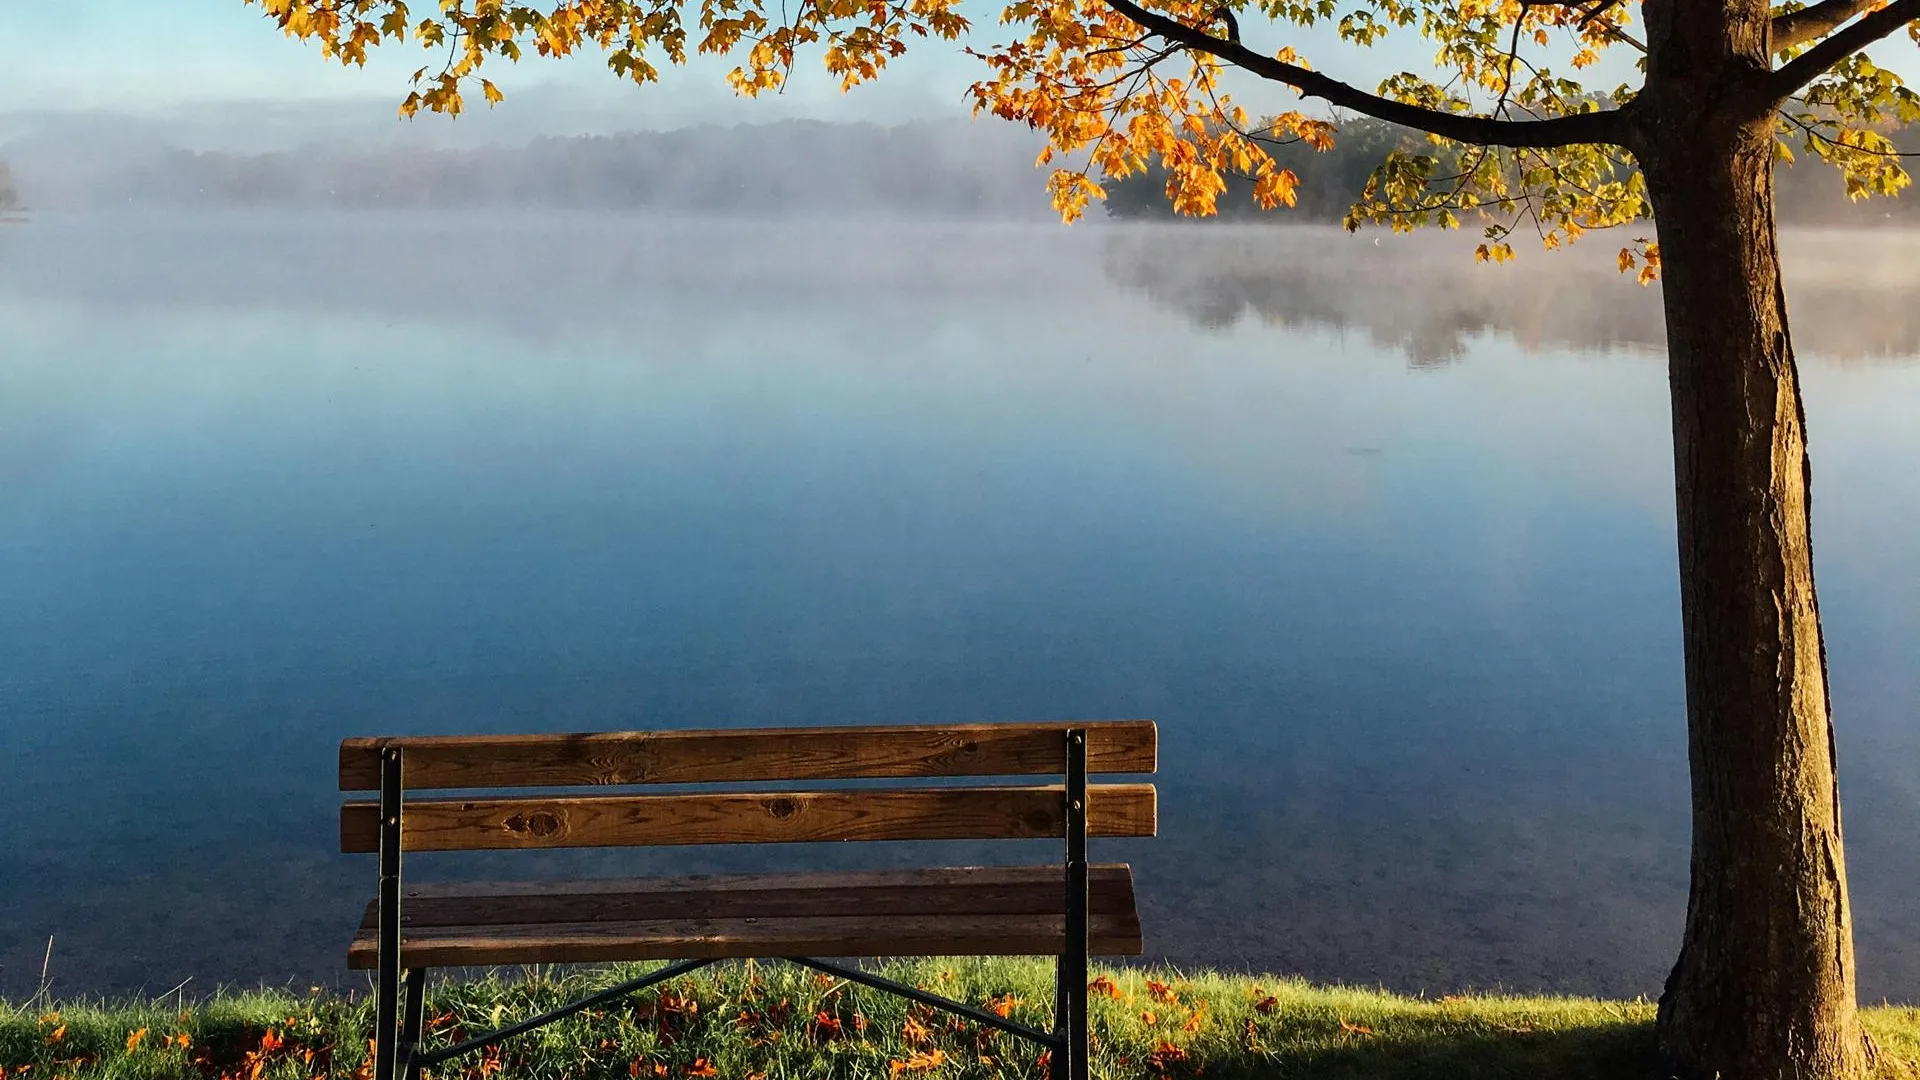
x=214, y=58
x=220, y=68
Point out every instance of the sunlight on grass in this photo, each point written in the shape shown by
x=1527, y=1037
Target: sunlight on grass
x=774, y=1022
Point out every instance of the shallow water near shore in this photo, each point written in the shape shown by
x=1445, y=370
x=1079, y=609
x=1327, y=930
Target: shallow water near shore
x=1382, y=540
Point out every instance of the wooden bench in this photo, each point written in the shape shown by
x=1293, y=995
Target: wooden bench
x=1068, y=910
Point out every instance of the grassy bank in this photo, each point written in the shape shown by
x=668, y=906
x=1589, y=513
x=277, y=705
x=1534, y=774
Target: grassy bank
x=776, y=1022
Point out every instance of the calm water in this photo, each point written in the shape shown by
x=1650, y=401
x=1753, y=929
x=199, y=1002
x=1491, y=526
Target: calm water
x=1382, y=541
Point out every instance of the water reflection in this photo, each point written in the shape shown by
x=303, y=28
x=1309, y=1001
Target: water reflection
x=1848, y=292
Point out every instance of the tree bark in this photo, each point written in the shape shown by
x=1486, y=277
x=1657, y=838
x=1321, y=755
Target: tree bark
x=1764, y=986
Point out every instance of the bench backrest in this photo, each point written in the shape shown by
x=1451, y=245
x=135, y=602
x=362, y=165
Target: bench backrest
x=746, y=756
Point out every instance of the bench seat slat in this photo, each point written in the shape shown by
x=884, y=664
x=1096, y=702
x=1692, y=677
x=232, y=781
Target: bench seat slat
x=959, y=912
x=935, y=813
x=748, y=754
x=1022, y=890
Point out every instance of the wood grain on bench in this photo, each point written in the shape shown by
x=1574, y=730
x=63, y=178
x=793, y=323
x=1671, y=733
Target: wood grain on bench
x=746, y=755
x=1002, y=911
x=933, y=813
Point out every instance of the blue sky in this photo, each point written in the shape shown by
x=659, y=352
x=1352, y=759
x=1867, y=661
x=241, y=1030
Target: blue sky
x=166, y=55
x=170, y=56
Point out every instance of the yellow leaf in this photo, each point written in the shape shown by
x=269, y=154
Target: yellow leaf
x=1275, y=188
x=133, y=1040
x=491, y=91
x=1625, y=260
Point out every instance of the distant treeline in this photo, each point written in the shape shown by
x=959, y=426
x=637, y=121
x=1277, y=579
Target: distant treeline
x=1808, y=192
x=958, y=169
x=791, y=167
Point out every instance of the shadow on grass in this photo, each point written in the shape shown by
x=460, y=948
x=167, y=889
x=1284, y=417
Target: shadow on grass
x=1614, y=1052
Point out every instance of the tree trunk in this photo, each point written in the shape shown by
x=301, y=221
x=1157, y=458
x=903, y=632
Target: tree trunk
x=1764, y=986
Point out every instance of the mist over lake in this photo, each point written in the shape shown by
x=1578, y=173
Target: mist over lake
x=1383, y=540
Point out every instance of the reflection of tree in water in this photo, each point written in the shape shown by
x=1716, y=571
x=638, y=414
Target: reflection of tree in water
x=1424, y=297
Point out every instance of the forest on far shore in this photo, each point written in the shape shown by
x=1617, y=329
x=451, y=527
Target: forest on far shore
x=1806, y=192
x=939, y=169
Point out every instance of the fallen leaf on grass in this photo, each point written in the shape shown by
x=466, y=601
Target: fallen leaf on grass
x=1165, y=1056
x=915, y=1032
x=918, y=1061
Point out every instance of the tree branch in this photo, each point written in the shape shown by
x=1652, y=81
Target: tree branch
x=1809, y=65
x=1571, y=130
x=1795, y=28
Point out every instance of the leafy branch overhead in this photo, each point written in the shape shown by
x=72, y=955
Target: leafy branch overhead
x=1513, y=138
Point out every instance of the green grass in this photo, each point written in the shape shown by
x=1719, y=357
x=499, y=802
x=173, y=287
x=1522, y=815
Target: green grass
x=782, y=1023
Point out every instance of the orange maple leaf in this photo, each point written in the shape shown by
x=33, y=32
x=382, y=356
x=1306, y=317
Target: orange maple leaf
x=915, y=1032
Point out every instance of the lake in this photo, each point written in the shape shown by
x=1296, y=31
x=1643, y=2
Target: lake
x=1382, y=539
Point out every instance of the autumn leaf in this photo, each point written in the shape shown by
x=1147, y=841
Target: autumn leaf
x=915, y=1032
x=1161, y=992
x=1354, y=1029
x=1164, y=1057
x=57, y=1034
x=134, y=1039
x=1650, y=254
x=1104, y=987
x=1266, y=1005
x=702, y=1067
x=920, y=1061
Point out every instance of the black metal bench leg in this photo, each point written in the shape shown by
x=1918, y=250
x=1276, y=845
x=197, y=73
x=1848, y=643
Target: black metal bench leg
x=1062, y=997
x=1073, y=964
x=1063, y=1053
x=409, y=1055
x=386, y=1012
